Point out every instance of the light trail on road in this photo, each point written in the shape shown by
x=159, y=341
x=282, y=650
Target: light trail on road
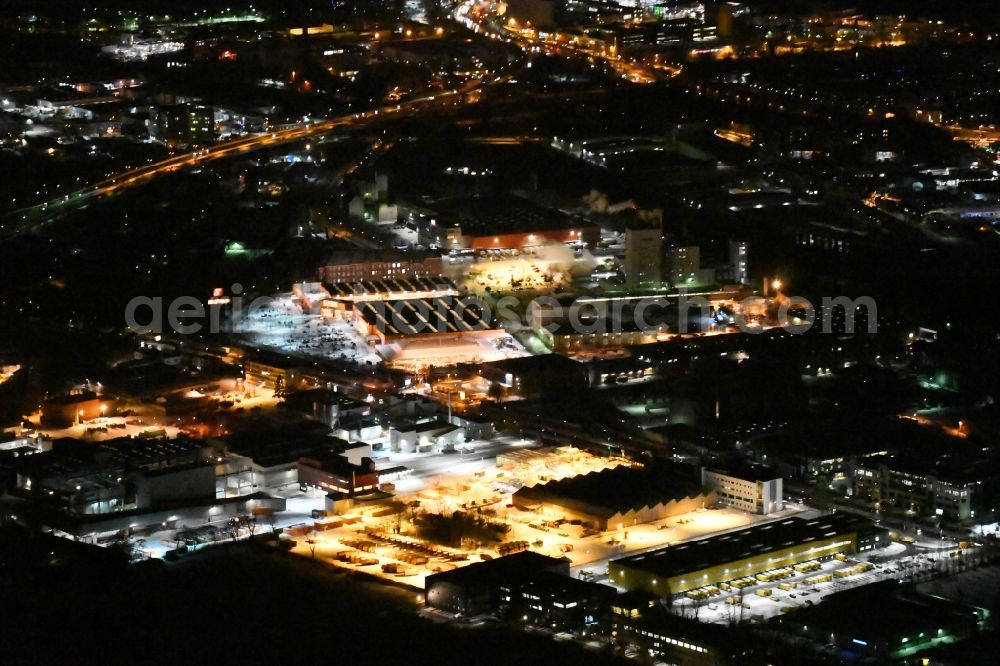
x=147, y=172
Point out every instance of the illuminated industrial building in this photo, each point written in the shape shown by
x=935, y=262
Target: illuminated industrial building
x=478, y=588
x=80, y=478
x=273, y=372
x=73, y=408
x=693, y=564
x=385, y=321
x=336, y=474
x=749, y=488
x=616, y=498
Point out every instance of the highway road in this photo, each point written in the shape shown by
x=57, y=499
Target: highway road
x=33, y=218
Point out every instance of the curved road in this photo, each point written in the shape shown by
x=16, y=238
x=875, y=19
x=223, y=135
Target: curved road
x=34, y=217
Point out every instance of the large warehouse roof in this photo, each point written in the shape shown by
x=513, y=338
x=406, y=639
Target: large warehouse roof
x=422, y=316
x=714, y=551
x=615, y=490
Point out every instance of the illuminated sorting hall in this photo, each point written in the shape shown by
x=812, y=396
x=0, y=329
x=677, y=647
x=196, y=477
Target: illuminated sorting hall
x=386, y=321
x=747, y=552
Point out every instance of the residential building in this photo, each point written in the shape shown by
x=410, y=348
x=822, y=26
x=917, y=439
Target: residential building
x=643, y=256
x=182, y=124
x=738, y=262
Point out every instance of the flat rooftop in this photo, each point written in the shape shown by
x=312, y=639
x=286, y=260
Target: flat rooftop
x=494, y=215
x=70, y=458
x=714, y=551
x=746, y=472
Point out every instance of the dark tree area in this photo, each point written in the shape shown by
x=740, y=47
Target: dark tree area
x=452, y=530
x=249, y=603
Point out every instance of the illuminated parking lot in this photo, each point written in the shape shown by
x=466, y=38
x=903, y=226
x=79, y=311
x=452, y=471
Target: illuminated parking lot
x=280, y=325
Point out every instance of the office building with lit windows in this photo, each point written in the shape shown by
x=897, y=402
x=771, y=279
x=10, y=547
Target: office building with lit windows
x=948, y=488
x=357, y=265
x=752, y=488
x=638, y=621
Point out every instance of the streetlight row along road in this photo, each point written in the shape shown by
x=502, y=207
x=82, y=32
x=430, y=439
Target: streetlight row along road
x=138, y=175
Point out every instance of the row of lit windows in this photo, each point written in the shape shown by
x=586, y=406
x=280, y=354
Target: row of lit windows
x=672, y=641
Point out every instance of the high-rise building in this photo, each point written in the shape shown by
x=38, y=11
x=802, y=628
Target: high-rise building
x=724, y=19
x=643, y=252
x=535, y=12
x=685, y=263
x=182, y=124
x=738, y=261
